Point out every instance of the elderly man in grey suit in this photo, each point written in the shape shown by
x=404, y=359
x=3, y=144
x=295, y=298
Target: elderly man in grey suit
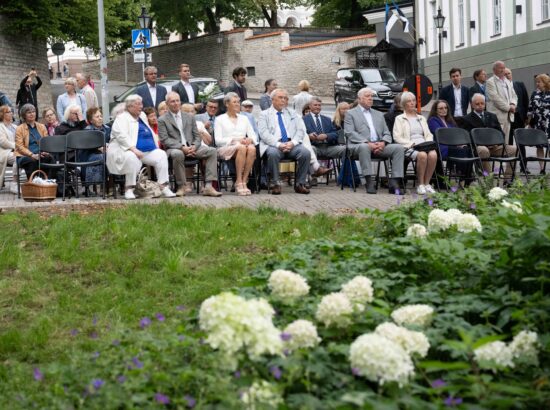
x=281, y=135
x=368, y=136
x=179, y=134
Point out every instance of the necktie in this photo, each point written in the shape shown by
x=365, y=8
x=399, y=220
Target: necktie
x=284, y=136
x=318, y=127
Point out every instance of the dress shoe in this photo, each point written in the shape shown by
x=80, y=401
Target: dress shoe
x=181, y=191
x=210, y=191
x=320, y=172
x=276, y=190
x=301, y=189
x=371, y=185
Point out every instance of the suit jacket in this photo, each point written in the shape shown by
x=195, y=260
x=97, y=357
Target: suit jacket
x=497, y=102
x=268, y=125
x=143, y=92
x=476, y=89
x=240, y=91
x=326, y=125
x=472, y=121
x=265, y=102
x=357, y=129
x=180, y=89
x=447, y=94
x=523, y=102
x=169, y=133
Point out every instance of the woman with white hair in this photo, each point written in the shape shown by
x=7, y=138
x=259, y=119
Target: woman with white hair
x=236, y=140
x=302, y=98
x=70, y=97
x=409, y=130
x=132, y=145
x=73, y=120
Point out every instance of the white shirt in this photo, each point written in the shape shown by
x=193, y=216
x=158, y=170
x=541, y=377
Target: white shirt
x=368, y=118
x=190, y=91
x=226, y=131
x=153, y=92
x=179, y=123
x=457, y=90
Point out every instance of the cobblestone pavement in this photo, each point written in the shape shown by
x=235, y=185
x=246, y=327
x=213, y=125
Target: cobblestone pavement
x=330, y=200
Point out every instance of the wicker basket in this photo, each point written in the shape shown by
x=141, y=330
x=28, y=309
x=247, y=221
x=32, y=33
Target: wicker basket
x=32, y=192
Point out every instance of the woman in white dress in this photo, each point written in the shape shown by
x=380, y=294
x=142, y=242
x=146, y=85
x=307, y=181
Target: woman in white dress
x=236, y=140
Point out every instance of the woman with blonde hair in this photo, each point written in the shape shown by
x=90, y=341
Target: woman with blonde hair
x=539, y=110
x=70, y=97
x=339, y=115
x=302, y=98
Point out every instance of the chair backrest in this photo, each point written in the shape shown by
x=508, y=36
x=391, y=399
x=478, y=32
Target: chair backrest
x=487, y=136
x=452, y=136
x=85, y=139
x=530, y=137
x=54, y=144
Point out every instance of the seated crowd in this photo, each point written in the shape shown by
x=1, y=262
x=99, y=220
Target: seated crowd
x=163, y=130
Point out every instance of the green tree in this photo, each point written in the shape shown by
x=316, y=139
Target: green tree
x=343, y=13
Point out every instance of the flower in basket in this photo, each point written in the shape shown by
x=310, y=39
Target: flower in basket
x=208, y=92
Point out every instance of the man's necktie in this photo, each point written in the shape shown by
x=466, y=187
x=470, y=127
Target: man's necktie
x=318, y=128
x=284, y=135
x=482, y=118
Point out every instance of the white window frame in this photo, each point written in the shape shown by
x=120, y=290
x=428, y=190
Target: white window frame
x=435, y=38
x=545, y=9
x=461, y=37
x=497, y=17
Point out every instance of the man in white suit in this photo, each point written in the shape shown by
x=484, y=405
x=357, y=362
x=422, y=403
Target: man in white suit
x=368, y=137
x=281, y=136
x=502, y=100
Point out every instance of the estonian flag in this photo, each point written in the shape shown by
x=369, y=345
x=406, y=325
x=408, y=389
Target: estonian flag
x=391, y=18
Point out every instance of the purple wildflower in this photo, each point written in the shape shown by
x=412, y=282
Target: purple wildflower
x=497, y=170
x=285, y=337
x=485, y=174
x=160, y=317
x=454, y=188
x=355, y=371
x=181, y=338
x=430, y=202
x=94, y=335
x=94, y=320
x=95, y=355
x=286, y=352
x=452, y=401
x=144, y=322
x=437, y=383
x=473, y=205
x=190, y=401
x=162, y=399
x=74, y=332
x=137, y=363
x=180, y=308
x=116, y=342
x=276, y=372
x=121, y=379
x=237, y=374
x=37, y=374
x=397, y=191
x=97, y=383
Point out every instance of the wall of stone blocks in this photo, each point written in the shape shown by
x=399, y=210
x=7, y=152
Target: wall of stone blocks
x=18, y=55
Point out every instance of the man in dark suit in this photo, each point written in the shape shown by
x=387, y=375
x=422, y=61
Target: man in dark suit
x=27, y=91
x=456, y=94
x=237, y=86
x=179, y=134
x=479, y=118
x=480, y=77
x=322, y=133
x=188, y=92
x=151, y=93
x=522, y=105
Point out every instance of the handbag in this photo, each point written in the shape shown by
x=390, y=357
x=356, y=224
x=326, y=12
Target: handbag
x=145, y=188
x=425, y=146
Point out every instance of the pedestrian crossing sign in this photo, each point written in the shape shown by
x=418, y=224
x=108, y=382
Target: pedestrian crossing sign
x=141, y=38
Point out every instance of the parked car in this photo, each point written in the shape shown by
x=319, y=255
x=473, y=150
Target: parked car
x=167, y=83
x=382, y=80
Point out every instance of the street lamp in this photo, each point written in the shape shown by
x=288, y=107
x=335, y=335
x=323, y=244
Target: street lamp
x=144, y=21
x=439, y=20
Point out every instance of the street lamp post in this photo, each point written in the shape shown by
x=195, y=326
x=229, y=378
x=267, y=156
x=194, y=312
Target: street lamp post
x=439, y=20
x=144, y=21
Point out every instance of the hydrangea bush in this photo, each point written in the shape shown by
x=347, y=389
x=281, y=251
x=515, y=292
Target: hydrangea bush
x=457, y=316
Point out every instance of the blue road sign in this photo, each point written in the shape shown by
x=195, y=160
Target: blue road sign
x=141, y=38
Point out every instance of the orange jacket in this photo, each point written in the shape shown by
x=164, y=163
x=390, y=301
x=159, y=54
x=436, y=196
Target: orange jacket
x=22, y=138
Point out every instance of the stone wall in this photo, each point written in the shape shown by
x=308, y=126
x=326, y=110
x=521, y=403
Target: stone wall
x=270, y=55
x=19, y=54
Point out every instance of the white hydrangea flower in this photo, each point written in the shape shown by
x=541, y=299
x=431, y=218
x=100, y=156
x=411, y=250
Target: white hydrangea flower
x=439, y=220
x=494, y=355
x=524, y=347
x=419, y=315
x=417, y=231
x=359, y=291
x=302, y=333
x=380, y=360
x=334, y=309
x=287, y=286
x=467, y=223
x=260, y=395
x=453, y=214
x=496, y=194
x=234, y=323
x=412, y=342
x=513, y=205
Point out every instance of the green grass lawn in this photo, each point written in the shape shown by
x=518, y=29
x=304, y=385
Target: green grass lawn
x=105, y=270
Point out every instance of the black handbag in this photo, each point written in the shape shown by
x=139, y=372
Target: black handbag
x=425, y=146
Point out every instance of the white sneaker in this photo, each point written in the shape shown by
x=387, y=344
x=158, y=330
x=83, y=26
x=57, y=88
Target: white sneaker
x=167, y=193
x=129, y=194
x=421, y=190
x=429, y=189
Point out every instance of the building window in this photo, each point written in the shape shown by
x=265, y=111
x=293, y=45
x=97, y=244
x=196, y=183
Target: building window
x=497, y=17
x=251, y=71
x=461, y=21
x=545, y=4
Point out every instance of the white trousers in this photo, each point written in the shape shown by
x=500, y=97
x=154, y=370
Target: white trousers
x=156, y=158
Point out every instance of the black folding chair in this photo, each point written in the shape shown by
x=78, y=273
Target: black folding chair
x=454, y=137
x=78, y=141
x=55, y=146
x=530, y=137
x=489, y=136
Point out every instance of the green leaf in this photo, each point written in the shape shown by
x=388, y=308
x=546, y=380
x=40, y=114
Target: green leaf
x=435, y=365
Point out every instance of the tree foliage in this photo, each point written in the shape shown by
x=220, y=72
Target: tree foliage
x=342, y=13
